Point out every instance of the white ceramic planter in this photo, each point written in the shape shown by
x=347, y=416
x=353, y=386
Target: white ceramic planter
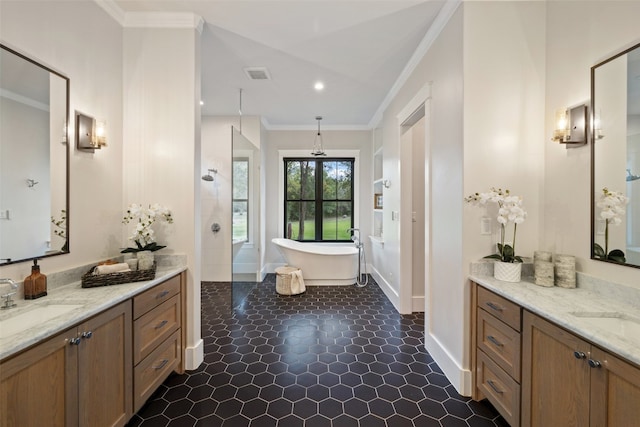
x=507, y=271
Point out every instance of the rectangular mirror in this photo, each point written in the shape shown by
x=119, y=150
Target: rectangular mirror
x=615, y=157
x=34, y=159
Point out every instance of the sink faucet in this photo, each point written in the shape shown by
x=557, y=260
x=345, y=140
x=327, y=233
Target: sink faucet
x=8, y=302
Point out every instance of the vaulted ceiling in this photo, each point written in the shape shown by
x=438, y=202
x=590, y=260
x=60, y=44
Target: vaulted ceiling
x=357, y=48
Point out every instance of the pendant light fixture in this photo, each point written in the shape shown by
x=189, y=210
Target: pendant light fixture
x=318, y=148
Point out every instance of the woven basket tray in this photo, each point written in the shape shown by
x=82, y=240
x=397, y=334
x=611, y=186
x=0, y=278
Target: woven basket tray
x=90, y=280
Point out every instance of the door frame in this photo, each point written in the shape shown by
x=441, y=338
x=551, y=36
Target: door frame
x=414, y=110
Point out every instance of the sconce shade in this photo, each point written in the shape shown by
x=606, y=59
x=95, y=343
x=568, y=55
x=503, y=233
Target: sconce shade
x=571, y=126
x=90, y=134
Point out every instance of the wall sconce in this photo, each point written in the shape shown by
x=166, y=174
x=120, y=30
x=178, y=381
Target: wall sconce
x=90, y=133
x=571, y=126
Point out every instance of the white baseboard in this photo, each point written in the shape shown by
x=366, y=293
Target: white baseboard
x=386, y=287
x=460, y=378
x=417, y=304
x=245, y=267
x=194, y=356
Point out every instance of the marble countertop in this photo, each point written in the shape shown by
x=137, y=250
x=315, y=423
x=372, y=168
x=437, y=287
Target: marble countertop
x=605, y=314
x=32, y=321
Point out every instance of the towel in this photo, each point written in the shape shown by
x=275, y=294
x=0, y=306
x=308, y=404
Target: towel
x=297, y=282
x=122, y=267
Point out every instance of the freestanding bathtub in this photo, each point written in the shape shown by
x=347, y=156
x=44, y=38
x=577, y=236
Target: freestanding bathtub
x=321, y=263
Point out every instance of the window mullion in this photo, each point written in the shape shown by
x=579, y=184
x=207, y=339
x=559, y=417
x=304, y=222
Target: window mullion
x=319, y=199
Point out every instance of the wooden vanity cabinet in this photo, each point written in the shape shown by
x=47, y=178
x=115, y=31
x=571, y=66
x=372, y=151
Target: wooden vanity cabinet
x=496, y=355
x=557, y=379
x=157, y=337
x=80, y=377
x=95, y=373
x=567, y=381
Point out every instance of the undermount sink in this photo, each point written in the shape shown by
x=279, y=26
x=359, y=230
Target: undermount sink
x=40, y=313
x=617, y=323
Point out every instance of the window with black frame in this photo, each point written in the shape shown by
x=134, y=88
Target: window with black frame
x=240, y=224
x=318, y=199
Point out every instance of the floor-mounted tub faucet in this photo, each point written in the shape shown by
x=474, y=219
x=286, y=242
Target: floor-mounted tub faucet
x=353, y=231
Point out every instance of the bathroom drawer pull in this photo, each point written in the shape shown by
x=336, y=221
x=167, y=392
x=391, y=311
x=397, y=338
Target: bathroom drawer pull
x=162, y=294
x=495, y=306
x=494, y=387
x=579, y=354
x=162, y=324
x=161, y=365
x=494, y=340
x=87, y=334
x=74, y=341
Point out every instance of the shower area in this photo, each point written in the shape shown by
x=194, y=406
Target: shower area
x=232, y=234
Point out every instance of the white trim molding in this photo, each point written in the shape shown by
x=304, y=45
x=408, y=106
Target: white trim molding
x=163, y=20
x=151, y=19
x=194, y=356
x=433, y=32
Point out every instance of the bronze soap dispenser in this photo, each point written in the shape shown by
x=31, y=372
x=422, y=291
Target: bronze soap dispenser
x=35, y=285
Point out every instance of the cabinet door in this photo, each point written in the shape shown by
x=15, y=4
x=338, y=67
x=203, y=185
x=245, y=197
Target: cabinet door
x=38, y=387
x=105, y=367
x=615, y=391
x=555, y=376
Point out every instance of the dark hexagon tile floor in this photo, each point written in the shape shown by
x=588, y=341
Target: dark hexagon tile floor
x=331, y=357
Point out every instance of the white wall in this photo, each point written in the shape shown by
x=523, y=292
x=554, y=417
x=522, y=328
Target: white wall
x=303, y=140
x=216, y=196
x=579, y=35
x=444, y=317
x=487, y=135
x=81, y=41
x=504, y=138
x=162, y=156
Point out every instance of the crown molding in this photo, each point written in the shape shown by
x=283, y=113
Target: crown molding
x=163, y=20
x=112, y=9
x=151, y=19
x=315, y=128
x=441, y=20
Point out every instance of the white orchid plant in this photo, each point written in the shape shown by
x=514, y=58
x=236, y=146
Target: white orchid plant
x=143, y=235
x=613, y=207
x=509, y=211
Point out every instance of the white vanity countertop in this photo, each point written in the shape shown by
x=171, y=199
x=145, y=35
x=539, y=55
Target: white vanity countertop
x=65, y=306
x=611, y=320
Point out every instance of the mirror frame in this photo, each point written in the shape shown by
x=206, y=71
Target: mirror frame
x=67, y=151
x=592, y=137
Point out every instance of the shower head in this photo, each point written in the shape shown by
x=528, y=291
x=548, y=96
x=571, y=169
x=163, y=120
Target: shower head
x=208, y=176
x=631, y=177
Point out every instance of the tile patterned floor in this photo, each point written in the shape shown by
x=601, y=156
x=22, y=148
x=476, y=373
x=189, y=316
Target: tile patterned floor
x=332, y=357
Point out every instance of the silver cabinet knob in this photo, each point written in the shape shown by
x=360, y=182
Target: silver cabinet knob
x=595, y=363
x=74, y=341
x=87, y=334
x=579, y=354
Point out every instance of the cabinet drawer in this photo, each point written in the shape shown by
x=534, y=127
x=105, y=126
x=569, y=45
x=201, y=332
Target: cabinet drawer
x=154, y=327
x=500, y=307
x=155, y=368
x=500, y=343
x=155, y=296
x=499, y=388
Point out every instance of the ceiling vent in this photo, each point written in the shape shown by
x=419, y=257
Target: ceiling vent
x=257, y=73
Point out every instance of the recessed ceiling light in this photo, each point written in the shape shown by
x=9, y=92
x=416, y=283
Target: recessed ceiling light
x=318, y=86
